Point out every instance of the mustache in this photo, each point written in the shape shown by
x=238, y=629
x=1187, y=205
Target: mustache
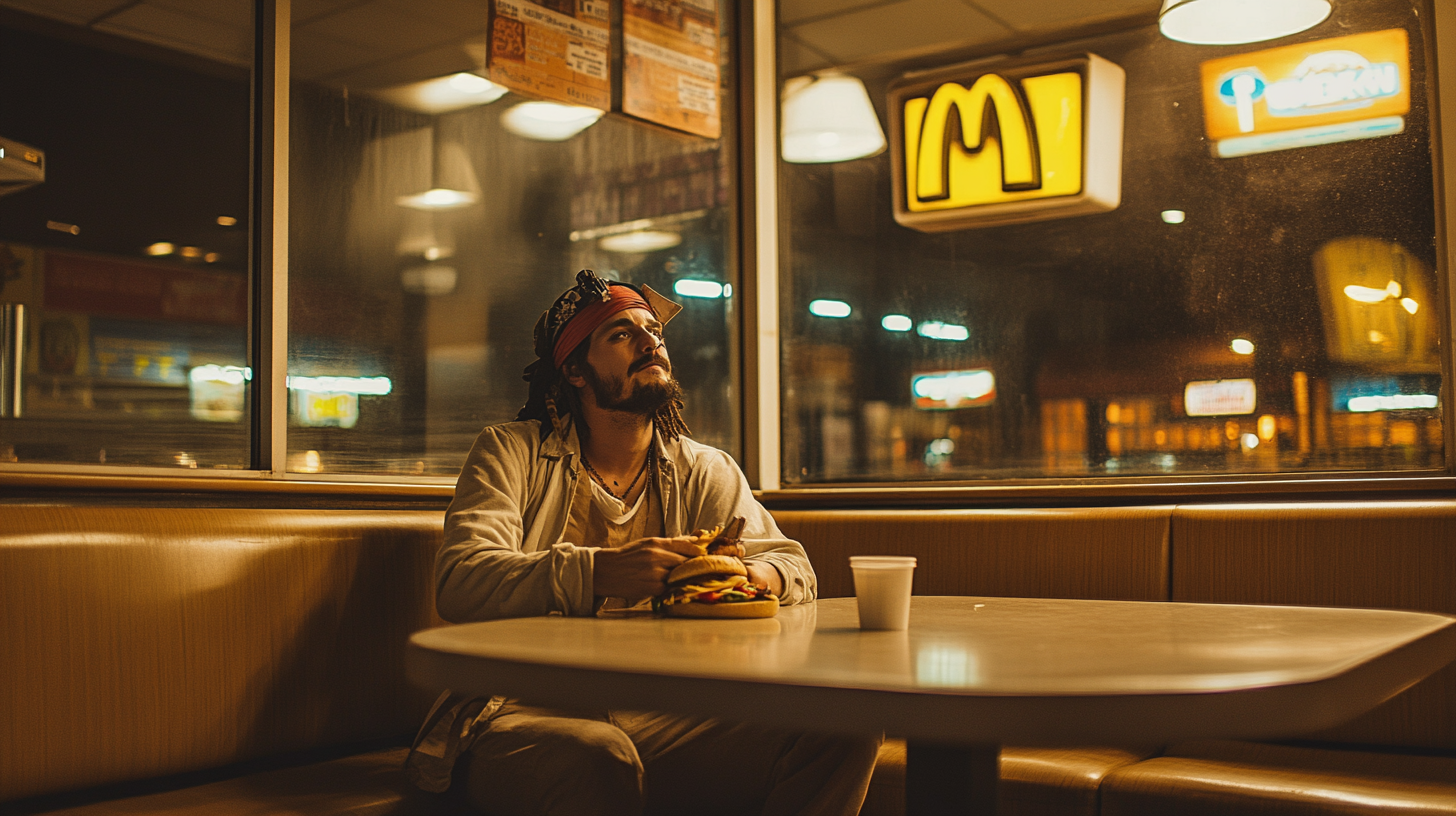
x=648, y=360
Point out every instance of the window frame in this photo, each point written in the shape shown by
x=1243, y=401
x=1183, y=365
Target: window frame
x=1105, y=489
x=759, y=372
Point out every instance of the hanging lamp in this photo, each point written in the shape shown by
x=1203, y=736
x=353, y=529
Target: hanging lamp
x=1233, y=22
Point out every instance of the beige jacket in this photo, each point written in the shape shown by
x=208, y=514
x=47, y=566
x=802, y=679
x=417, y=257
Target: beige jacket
x=503, y=556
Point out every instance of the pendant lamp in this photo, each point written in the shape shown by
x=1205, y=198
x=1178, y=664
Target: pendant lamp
x=1233, y=22
x=829, y=119
x=452, y=178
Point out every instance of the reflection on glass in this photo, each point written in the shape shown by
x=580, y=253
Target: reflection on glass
x=122, y=142
x=1244, y=315
x=434, y=218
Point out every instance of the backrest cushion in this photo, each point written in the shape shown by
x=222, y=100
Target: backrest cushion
x=1389, y=554
x=145, y=641
x=1118, y=553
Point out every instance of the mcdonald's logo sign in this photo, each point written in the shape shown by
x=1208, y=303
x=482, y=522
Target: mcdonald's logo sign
x=981, y=145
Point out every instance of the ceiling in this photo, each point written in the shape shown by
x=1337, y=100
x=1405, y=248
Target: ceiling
x=374, y=43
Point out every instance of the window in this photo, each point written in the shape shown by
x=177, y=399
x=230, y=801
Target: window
x=1236, y=312
x=411, y=311
x=124, y=233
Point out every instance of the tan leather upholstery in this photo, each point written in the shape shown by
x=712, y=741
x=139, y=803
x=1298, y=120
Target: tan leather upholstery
x=1250, y=779
x=1034, y=781
x=370, y=784
x=1389, y=554
x=139, y=642
x=1100, y=553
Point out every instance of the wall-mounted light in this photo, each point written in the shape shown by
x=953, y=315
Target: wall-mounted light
x=896, y=323
x=640, y=241
x=1242, y=345
x=1174, y=216
x=443, y=94
x=549, y=121
x=161, y=248
x=1231, y=22
x=829, y=119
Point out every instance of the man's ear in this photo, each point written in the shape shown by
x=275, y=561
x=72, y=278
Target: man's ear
x=573, y=374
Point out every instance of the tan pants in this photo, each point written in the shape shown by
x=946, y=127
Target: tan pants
x=544, y=761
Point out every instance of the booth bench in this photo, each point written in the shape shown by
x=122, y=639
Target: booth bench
x=245, y=660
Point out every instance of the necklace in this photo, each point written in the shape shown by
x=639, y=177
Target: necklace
x=603, y=482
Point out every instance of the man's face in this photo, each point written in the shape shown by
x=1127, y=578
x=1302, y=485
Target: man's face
x=627, y=367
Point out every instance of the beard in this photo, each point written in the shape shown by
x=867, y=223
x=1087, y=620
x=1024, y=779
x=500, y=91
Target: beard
x=647, y=399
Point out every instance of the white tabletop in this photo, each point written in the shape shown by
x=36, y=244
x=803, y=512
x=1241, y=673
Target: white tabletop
x=1009, y=670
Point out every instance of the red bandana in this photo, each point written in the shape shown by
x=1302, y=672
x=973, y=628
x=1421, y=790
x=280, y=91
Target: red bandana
x=587, y=319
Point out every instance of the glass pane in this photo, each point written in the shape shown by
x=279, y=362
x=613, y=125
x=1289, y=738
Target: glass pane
x=124, y=232
x=423, y=314
x=1262, y=312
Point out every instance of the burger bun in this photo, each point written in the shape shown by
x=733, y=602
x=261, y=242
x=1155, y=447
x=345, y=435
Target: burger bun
x=706, y=565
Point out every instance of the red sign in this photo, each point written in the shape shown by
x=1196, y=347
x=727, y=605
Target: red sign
x=119, y=288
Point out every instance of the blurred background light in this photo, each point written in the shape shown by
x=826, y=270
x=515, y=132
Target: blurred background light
x=829, y=308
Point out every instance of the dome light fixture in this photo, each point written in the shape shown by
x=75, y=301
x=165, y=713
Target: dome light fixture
x=1234, y=22
x=829, y=119
x=549, y=121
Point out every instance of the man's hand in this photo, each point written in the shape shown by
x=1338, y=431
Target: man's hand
x=761, y=572
x=638, y=569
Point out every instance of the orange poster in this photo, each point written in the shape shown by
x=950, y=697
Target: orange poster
x=553, y=49
x=670, y=64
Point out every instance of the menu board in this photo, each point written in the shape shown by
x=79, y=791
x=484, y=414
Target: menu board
x=670, y=64
x=553, y=49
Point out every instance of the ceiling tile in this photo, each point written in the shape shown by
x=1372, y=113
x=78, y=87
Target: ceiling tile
x=306, y=11
x=314, y=57
x=377, y=26
x=76, y=12
x=1030, y=15
x=436, y=62
x=235, y=13
x=793, y=11
x=795, y=58
x=183, y=32
x=907, y=25
x=462, y=15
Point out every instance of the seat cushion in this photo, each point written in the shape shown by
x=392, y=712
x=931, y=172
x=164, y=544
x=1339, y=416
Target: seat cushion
x=1251, y=779
x=1034, y=781
x=369, y=784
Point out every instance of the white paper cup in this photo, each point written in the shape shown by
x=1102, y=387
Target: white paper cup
x=882, y=590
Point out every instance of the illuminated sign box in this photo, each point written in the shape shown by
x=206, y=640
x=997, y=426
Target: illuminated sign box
x=1219, y=398
x=947, y=390
x=980, y=145
x=1335, y=90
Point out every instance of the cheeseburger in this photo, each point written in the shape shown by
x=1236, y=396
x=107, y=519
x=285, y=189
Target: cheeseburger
x=715, y=584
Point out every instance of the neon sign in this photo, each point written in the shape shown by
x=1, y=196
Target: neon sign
x=1354, y=87
x=1026, y=141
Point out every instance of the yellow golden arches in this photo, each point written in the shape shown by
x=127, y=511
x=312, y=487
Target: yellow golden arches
x=1019, y=158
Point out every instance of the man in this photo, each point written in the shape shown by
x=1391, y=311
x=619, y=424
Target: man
x=585, y=503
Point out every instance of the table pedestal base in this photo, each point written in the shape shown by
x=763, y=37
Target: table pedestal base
x=951, y=779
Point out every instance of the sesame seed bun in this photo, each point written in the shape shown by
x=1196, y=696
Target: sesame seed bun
x=765, y=608
x=706, y=565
